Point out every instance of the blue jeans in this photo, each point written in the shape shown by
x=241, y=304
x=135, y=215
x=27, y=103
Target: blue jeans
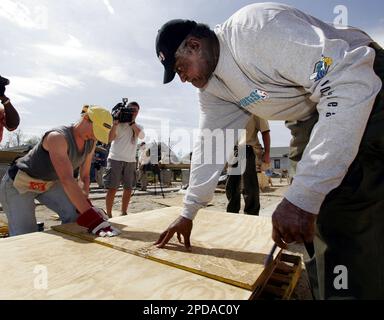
x=20, y=208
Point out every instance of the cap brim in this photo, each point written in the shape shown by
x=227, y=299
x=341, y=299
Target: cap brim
x=169, y=75
x=101, y=134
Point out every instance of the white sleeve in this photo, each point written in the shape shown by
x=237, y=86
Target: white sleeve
x=208, y=161
x=343, y=84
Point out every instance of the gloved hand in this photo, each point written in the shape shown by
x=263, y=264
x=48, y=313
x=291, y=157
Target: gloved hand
x=101, y=211
x=95, y=220
x=90, y=203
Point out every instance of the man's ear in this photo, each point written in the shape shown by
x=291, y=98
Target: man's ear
x=194, y=43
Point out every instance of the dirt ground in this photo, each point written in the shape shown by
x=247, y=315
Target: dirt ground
x=145, y=201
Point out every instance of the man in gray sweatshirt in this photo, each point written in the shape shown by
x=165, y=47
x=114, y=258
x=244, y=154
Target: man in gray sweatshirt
x=279, y=63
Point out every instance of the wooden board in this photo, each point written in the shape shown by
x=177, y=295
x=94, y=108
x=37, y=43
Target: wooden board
x=78, y=269
x=227, y=247
x=8, y=156
x=173, y=202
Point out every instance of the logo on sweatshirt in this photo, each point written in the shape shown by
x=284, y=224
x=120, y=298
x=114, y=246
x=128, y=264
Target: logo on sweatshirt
x=321, y=68
x=255, y=96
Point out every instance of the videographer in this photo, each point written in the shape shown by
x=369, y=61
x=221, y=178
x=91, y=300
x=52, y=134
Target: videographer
x=9, y=117
x=121, y=162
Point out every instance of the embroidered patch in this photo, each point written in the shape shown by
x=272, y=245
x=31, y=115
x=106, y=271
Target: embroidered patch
x=321, y=68
x=38, y=186
x=255, y=96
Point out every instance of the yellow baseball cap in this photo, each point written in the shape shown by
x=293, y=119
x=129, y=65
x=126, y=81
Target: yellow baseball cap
x=102, y=122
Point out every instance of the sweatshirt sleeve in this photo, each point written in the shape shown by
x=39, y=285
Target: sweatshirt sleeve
x=342, y=83
x=222, y=120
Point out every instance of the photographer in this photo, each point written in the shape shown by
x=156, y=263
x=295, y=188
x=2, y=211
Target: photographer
x=121, y=162
x=9, y=117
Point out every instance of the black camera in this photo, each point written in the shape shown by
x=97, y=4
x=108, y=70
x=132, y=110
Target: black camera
x=3, y=82
x=123, y=112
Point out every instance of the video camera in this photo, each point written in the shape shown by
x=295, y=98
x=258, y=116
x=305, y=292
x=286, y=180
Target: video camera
x=123, y=112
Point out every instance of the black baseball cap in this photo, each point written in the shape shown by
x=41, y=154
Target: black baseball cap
x=168, y=39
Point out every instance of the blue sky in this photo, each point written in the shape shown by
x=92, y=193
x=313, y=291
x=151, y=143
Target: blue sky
x=60, y=55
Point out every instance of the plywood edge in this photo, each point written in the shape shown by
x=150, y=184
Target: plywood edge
x=202, y=273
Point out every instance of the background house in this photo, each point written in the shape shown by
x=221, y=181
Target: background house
x=279, y=158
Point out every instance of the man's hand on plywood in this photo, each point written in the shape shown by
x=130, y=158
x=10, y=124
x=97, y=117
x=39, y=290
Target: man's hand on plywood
x=181, y=226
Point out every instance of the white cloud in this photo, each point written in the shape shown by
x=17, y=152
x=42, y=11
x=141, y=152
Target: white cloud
x=125, y=77
x=109, y=7
x=114, y=74
x=22, y=87
x=108, y=65
x=73, y=42
x=162, y=110
x=21, y=15
x=73, y=49
x=158, y=120
x=62, y=51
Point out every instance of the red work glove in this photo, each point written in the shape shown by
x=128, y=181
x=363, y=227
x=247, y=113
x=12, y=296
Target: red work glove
x=89, y=202
x=103, y=213
x=95, y=220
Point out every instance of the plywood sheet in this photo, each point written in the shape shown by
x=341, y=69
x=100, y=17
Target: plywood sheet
x=227, y=247
x=172, y=202
x=78, y=269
